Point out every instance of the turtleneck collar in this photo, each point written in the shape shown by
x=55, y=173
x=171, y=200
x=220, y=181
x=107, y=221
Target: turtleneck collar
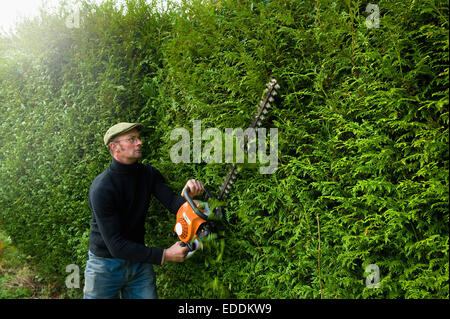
x=123, y=168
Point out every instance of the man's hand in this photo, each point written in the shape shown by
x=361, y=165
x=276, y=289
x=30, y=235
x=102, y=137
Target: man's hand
x=175, y=253
x=195, y=188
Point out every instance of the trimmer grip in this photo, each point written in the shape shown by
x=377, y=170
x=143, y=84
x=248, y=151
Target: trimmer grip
x=189, y=199
x=193, y=247
x=189, y=246
x=192, y=204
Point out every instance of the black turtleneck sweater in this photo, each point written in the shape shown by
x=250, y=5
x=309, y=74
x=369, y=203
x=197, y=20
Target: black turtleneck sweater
x=119, y=199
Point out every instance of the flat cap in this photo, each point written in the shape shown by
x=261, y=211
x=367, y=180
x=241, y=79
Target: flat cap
x=118, y=129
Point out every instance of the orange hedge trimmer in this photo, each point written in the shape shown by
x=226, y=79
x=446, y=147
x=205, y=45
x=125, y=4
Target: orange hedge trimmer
x=192, y=221
x=192, y=217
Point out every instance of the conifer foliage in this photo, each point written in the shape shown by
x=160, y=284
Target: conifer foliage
x=361, y=193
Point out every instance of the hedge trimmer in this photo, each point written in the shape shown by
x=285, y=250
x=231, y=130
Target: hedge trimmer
x=193, y=220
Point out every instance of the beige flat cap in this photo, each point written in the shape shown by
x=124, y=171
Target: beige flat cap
x=118, y=129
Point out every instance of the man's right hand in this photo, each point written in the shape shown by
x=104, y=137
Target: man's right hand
x=176, y=253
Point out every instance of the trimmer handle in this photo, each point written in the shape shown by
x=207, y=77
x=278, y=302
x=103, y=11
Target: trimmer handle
x=192, y=204
x=189, y=246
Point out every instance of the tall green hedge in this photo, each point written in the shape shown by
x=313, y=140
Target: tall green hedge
x=363, y=151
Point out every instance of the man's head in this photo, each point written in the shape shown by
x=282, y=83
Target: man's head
x=124, y=142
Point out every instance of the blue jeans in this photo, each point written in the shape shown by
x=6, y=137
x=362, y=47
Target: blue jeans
x=112, y=278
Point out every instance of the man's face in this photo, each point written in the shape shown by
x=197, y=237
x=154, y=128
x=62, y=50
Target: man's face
x=127, y=148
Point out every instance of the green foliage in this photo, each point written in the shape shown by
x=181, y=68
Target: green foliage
x=363, y=139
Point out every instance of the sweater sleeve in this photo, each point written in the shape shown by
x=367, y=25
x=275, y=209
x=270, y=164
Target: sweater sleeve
x=164, y=193
x=107, y=218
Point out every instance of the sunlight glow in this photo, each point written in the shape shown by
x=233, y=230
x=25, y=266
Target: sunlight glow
x=16, y=10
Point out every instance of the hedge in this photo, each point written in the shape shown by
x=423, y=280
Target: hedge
x=363, y=148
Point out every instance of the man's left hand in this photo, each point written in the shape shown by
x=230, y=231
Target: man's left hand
x=195, y=188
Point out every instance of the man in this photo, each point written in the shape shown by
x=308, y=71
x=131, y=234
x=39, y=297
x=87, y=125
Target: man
x=119, y=264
